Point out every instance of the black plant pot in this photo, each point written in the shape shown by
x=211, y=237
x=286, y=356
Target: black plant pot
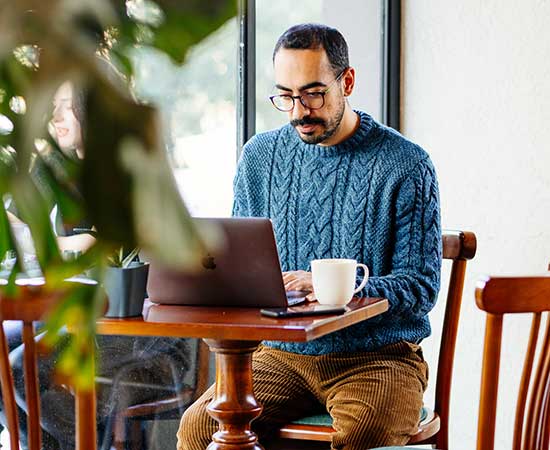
x=126, y=289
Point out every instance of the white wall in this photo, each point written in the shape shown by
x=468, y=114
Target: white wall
x=476, y=95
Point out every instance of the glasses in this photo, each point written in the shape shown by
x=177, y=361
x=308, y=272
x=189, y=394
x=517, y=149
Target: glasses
x=310, y=100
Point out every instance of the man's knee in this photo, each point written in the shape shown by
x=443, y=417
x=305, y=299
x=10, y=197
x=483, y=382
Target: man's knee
x=196, y=428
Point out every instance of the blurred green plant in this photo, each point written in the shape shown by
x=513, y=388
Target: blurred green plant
x=121, y=259
x=124, y=184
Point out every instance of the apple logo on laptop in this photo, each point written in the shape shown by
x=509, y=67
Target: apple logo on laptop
x=208, y=262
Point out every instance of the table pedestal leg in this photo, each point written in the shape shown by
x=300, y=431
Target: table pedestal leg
x=234, y=405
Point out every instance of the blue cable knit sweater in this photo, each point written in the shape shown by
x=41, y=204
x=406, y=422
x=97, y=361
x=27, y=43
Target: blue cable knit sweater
x=373, y=198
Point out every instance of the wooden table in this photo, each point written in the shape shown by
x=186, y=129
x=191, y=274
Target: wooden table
x=233, y=334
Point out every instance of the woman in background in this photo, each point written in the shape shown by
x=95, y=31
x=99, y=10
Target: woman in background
x=132, y=369
x=66, y=129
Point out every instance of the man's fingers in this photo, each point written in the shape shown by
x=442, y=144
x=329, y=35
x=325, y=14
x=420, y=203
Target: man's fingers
x=288, y=276
x=294, y=285
x=311, y=297
x=298, y=280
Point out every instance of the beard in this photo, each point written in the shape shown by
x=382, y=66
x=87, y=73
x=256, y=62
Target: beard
x=330, y=125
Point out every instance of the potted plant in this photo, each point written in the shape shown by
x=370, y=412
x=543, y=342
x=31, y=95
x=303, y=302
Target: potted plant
x=125, y=283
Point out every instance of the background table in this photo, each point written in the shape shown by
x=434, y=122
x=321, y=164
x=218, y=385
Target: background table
x=234, y=334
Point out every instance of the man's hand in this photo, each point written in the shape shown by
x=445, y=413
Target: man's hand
x=299, y=280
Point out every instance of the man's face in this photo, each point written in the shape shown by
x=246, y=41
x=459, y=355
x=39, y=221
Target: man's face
x=298, y=72
x=67, y=127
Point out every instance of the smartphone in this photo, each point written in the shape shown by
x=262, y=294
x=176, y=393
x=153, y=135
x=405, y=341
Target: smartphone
x=304, y=311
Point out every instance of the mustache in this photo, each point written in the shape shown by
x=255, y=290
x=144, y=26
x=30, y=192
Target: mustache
x=307, y=121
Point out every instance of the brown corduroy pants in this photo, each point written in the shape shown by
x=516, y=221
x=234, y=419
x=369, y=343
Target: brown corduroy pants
x=374, y=398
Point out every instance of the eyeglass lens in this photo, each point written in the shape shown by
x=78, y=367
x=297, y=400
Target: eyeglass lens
x=313, y=100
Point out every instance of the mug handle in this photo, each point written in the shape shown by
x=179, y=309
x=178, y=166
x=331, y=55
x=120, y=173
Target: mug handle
x=365, y=278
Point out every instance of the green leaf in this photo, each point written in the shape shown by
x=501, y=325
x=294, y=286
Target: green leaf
x=186, y=23
x=130, y=257
x=162, y=223
x=7, y=242
x=79, y=310
x=33, y=210
x=112, y=115
x=56, y=177
x=85, y=262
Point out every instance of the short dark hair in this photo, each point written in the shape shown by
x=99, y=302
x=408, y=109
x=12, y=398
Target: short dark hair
x=315, y=36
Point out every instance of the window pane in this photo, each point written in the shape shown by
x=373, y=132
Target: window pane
x=359, y=21
x=198, y=110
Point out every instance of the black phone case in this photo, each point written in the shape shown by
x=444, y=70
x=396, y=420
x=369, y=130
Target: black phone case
x=285, y=312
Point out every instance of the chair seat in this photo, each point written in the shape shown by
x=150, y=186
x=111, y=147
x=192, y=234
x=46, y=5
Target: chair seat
x=324, y=420
x=393, y=448
x=319, y=428
x=396, y=448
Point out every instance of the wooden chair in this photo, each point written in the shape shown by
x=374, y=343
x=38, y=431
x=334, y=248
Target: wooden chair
x=29, y=307
x=128, y=422
x=498, y=296
x=459, y=247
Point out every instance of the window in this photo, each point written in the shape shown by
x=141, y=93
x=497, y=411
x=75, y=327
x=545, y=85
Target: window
x=372, y=30
x=197, y=102
x=207, y=120
x=363, y=37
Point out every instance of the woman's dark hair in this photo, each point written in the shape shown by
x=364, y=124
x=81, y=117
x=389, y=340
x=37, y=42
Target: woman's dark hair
x=315, y=36
x=79, y=109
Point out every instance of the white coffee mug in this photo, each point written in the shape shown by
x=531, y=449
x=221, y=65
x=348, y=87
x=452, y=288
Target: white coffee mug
x=334, y=280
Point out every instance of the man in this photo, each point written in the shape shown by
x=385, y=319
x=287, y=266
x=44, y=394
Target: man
x=339, y=185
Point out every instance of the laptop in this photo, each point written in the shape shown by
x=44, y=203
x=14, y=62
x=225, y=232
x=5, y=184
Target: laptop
x=245, y=272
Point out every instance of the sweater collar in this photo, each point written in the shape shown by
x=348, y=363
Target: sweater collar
x=366, y=124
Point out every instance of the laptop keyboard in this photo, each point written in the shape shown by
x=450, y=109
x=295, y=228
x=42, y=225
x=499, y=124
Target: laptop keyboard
x=296, y=297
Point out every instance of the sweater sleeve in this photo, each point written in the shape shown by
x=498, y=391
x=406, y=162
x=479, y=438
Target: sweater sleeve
x=240, y=205
x=251, y=182
x=413, y=284
x=241, y=183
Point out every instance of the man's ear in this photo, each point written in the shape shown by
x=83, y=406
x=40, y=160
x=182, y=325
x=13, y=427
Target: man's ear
x=349, y=81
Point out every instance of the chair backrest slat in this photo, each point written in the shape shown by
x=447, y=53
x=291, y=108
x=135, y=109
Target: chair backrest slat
x=525, y=380
x=545, y=433
x=8, y=394
x=31, y=387
x=458, y=246
x=489, y=383
x=448, y=342
x=535, y=412
x=86, y=432
x=544, y=390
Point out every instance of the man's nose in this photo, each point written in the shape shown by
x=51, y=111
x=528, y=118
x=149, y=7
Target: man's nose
x=299, y=110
